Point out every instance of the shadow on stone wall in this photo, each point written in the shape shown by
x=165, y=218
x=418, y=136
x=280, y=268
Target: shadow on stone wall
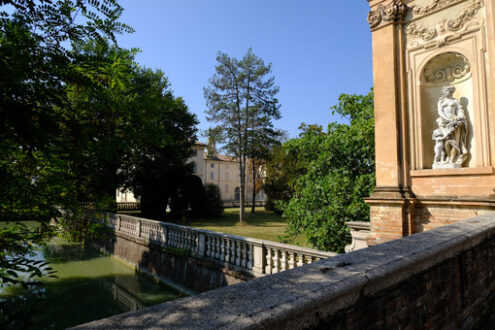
x=174, y=265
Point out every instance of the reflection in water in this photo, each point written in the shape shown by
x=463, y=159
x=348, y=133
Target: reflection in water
x=88, y=287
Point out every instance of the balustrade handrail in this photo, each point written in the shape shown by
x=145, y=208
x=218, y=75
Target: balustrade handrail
x=244, y=253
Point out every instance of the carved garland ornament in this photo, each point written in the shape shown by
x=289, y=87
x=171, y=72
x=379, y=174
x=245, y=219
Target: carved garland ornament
x=436, y=4
x=423, y=32
x=428, y=33
x=466, y=15
x=389, y=13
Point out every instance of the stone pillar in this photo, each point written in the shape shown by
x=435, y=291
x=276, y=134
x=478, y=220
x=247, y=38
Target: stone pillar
x=389, y=202
x=420, y=47
x=360, y=231
x=258, y=259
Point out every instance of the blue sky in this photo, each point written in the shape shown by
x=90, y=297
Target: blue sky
x=318, y=48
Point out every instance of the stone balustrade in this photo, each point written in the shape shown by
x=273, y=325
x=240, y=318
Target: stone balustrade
x=254, y=256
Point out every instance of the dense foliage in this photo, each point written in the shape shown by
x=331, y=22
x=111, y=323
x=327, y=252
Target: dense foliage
x=36, y=172
x=324, y=176
x=241, y=101
x=79, y=117
x=212, y=202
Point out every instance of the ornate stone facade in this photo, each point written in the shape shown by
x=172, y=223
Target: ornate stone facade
x=432, y=151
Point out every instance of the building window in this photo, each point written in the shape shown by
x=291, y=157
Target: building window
x=237, y=194
x=212, y=165
x=195, y=168
x=195, y=152
x=212, y=175
x=226, y=188
x=226, y=175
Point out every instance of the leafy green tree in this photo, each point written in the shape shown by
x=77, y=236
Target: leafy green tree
x=164, y=132
x=288, y=162
x=36, y=176
x=16, y=252
x=100, y=126
x=339, y=170
x=239, y=96
x=262, y=138
x=212, y=203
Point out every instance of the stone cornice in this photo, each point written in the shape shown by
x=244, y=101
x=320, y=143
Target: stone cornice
x=386, y=13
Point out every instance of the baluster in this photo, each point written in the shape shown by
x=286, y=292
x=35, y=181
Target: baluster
x=138, y=228
x=164, y=235
x=208, y=246
x=249, y=263
x=227, y=250
x=176, y=238
x=300, y=260
x=222, y=249
x=232, y=252
x=268, y=267
x=186, y=239
x=310, y=259
x=283, y=261
x=182, y=234
x=217, y=248
x=195, y=243
x=243, y=255
x=238, y=253
x=291, y=260
x=173, y=240
x=275, y=261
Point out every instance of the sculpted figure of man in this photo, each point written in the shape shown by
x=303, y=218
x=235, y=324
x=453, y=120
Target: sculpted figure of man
x=451, y=135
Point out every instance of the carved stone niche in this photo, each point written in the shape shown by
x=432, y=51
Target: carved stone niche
x=445, y=69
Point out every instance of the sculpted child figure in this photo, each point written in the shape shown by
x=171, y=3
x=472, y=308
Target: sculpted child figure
x=439, y=146
x=451, y=135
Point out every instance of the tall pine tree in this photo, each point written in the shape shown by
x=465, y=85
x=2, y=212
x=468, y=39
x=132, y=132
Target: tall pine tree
x=240, y=95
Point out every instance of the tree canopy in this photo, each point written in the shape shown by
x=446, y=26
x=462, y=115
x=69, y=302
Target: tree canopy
x=328, y=175
x=79, y=117
x=241, y=100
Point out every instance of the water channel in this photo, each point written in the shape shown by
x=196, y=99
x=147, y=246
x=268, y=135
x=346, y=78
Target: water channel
x=89, y=286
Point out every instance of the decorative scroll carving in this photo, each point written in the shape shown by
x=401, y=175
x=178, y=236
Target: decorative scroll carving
x=423, y=32
x=451, y=135
x=386, y=14
x=427, y=33
x=467, y=14
x=435, y=4
x=446, y=68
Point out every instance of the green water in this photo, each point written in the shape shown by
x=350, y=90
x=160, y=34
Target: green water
x=89, y=286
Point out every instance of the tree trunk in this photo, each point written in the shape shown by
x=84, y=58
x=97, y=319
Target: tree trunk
x=242, y=169
x=254, y=186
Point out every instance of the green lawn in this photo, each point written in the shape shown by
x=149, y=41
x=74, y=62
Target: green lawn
x=262, y=224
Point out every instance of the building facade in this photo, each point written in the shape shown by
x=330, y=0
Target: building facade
x=434, y=90
x=213, y=168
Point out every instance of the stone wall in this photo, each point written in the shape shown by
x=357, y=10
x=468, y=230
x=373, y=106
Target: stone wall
x=441, y=278
x=177, y=266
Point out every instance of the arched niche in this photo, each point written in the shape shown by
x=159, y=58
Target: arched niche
x=445, y=69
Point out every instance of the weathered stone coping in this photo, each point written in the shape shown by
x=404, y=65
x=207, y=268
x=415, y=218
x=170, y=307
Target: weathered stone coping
x=309, y=295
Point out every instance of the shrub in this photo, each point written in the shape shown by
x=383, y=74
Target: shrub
x=212, y=203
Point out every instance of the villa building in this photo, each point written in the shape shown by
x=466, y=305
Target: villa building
x=220, y=170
